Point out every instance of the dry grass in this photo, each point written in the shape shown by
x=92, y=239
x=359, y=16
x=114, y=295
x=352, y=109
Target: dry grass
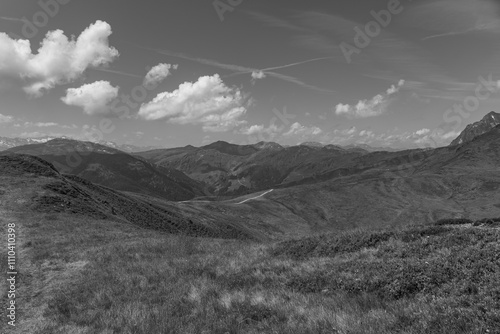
x=105, y=277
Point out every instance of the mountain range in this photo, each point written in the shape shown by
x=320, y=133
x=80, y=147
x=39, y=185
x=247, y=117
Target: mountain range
x=273, y=191
x=113, y=168
x=6, y=143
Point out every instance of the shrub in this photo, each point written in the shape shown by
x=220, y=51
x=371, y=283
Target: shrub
x=487, y=222
x=453, y=221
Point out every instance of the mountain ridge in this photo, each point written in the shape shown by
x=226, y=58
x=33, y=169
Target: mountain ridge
x=113, y=168
x=488, y=122
x=8, y=142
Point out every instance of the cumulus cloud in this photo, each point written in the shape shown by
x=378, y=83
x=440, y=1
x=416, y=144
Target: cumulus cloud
x=253, y=130
x=6, y=119
x=423, y=138
x=434, y=138
x=394, y=89
x=208, y=102
x=369, y=108
x=94, y=98
x=37, y=134
x=258, y=75
x=59, y=59
x=422, y=132
x=301, y=130
x=40, y=124
x=342, y=108
x=158, y=73
x=46, y=125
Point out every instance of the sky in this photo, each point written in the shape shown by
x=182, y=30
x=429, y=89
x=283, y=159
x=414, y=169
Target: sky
x=387, y=73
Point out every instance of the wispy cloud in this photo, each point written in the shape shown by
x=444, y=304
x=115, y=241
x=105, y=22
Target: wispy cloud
x=448, y=18
x=246, y=70
x=14, y=19
x=324, y=32
x=447, y=34
x=107, y=70
x=272, y=21
x=289, y=65
x=6, y=119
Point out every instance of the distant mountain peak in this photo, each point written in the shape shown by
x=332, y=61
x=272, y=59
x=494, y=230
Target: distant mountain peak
x=312, y=144
x=268, y=145
x=487, y=123
x=7, y=143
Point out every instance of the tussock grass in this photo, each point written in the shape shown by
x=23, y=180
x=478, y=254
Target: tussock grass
x=106, y=277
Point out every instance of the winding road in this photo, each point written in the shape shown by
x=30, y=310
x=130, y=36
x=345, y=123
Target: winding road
x=242, y=202
x=249, y=199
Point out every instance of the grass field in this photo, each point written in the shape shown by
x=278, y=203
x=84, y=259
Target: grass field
x=91, y=276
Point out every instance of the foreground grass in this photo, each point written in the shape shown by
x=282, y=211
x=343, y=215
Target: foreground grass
x=106, y=277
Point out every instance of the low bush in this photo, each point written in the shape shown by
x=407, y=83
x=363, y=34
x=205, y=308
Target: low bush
x=453, y=221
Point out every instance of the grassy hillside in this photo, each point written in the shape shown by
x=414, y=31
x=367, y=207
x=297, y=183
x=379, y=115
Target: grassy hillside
x=113, y=168
x=81, y=275
x=46, y=191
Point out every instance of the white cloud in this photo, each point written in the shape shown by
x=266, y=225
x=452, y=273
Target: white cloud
x=94, y=98
x=260, y=129
x=301, y=130
x=366, y=133
x=351, y=130
x=342, y=108
x=225, y=121
x=433, y=138
x=449, y=135
x=208, y=102
x=46, y=125
x=258, y=75
x=346, y=133
x=393, y=89
x=422, y=132
x=392, y=138
x=40, y=124
x=369, y=108
x=444, y=18
x=6, y=119
x=158, y=73
x=37, y=134
x=59, y=60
